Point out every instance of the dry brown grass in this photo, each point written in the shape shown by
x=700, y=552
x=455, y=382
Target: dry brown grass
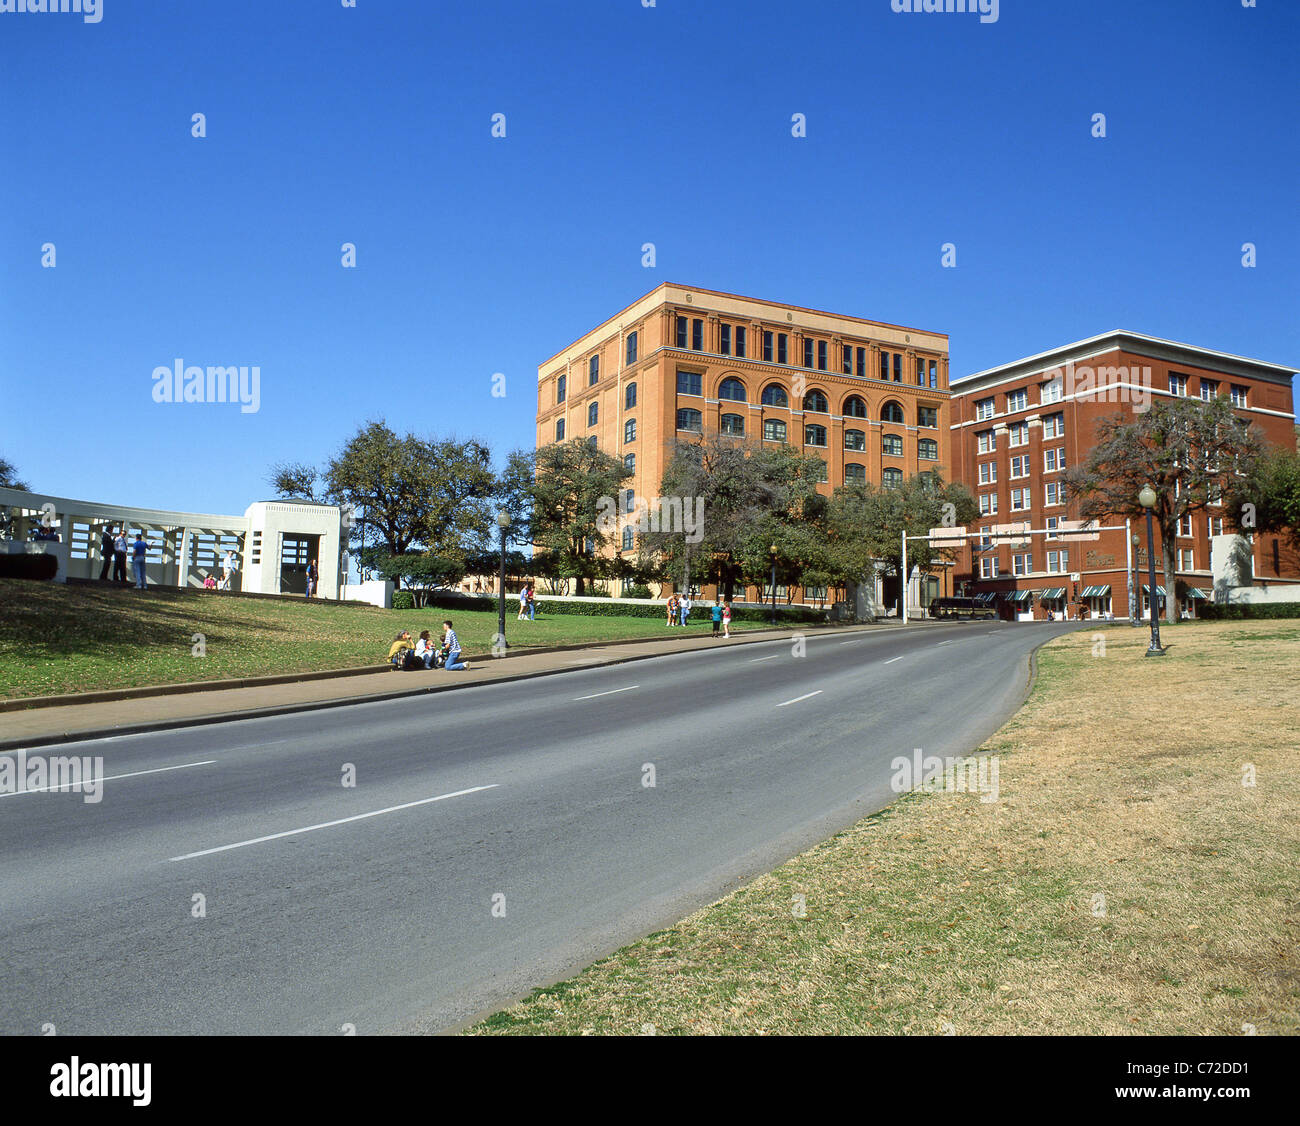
x=1121, y=778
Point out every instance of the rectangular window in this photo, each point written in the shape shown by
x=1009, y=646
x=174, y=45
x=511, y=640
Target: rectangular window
x=1186, y=559
x=1054, y=425
x=782, y=348
x=1177, y=384
x=989, y=568
x=821, y=355
x=740, y=341
x=988, y=472
x=773, y=430
x=1051, y=391
x=631, y=348
x=681, y=332
x=561, y=388
x=988, y=504
x=1055, y=492
x=986, y=441
x=1209, y=389
x=927, y=416
x=1020, y=466
x=1017, y=400
x=767, y=347
x=1058, y=562
x=884, y=365
x=1019, y=500
x=846, y=358
x=1022, y=564
x=593, y=369
x=724, y=342
x=1214, y=525
x=807, y=351
x=983, y=410
x=862, y=362
x=898, y=367
x=629, y=500
x=920, y=373
x=697, y=335
x=1185, y=527
x=690, y=383
x=1018, y=434
x=934, y=373
x=1238, y=395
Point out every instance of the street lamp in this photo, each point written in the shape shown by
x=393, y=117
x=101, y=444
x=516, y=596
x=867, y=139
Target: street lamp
x=503, y=522
x=1147, y=499
x=772, y=549
x=1133, y=584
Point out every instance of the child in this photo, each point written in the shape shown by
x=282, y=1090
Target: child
x=726, y=620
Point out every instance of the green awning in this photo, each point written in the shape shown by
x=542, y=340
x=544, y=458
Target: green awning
x=1053, y=592
x=1021, y=596
x=1095, y=592
x=1197, y=592
x=1146, y=589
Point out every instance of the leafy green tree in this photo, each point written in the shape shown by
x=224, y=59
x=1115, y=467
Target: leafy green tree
x=1187, y=450
x=433, y=494
x=423, y=572
x=9, y=478
x=1267, y=497
x=559, y=496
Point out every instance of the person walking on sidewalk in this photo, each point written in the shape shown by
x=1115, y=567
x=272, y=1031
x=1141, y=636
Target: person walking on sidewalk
x=717, y=617
x=726, y=620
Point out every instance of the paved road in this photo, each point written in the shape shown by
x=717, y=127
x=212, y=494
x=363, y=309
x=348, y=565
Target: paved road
x=372, y=905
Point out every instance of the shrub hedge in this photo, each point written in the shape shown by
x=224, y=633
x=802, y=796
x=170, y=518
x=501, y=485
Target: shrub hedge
x=28, y=566
x=1223, y=613
x=617, y=608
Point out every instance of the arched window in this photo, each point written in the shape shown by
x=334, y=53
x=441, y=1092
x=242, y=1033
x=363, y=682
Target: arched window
x=593, y=413
x=892, y=445
x=732, y=389
x=627, y=537
x=733, y=424
x=854, y=407
x=814, y=435
x=891, y=412
x=629, y=462
x=855, y=474
x=774, y=396
x=629, y=430
x=892, y=478
x=927, y=449
x=690, y=419
x=559, y=430
x=816, y=401
x=629, y=397
x=855, y=440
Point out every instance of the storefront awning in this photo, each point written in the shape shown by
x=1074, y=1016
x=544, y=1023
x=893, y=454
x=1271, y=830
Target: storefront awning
x=1021, y=596
x=1095, y=592
x=1197, y=592
x=985, y=597
x=1053, y=592
x=1146, y=589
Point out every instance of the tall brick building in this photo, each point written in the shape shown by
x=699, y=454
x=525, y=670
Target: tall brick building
x=870, y=399
x=1016, y=427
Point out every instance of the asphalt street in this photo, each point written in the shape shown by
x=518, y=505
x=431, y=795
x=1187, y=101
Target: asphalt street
x=496, y=838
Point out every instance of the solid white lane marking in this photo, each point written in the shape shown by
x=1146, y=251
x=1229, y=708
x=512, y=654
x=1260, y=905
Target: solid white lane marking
x=611, y=692
x=806, y=696
x=773, y=657
x=330, y=824
x=947, y=642
x=108, y=778
x=855, y=641
x=893, y=659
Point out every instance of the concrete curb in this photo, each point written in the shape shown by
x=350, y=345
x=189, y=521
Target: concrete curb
x=55, y=738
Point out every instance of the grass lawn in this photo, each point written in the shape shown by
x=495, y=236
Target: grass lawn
x=1126, y=881
x=56, y=638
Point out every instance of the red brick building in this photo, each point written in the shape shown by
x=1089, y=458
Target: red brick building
x=1017, y=427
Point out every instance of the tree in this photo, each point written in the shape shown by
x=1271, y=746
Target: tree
x=433, y=494
x=1187, y=450
x=9, y=478
x=556, y=495
x=865, y=524
x=746, y=497
x=1267, y=497
x=421, y=572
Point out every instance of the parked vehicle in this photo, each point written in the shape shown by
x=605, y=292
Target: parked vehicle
x=961, y=608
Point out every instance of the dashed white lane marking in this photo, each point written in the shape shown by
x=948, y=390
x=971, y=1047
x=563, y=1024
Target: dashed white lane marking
x=106, y=778
x=330, y=824
x=611, y=692
x=806, y=696
x=773, y=657
x=893, y=659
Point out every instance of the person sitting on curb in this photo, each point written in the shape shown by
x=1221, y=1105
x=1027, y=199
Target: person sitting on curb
x=451, y=649
x=425, y=651
x=397, y=652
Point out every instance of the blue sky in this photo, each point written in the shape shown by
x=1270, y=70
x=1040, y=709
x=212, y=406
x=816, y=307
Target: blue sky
x=624, y=125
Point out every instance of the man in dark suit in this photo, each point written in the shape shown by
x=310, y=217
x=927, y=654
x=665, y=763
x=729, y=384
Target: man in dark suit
x=106, y=550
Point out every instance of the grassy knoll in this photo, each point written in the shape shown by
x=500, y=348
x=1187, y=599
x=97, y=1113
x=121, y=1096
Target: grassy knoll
x=1126, y=881
x=56, y=639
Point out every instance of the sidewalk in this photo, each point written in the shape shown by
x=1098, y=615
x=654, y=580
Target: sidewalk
x=40, y=726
